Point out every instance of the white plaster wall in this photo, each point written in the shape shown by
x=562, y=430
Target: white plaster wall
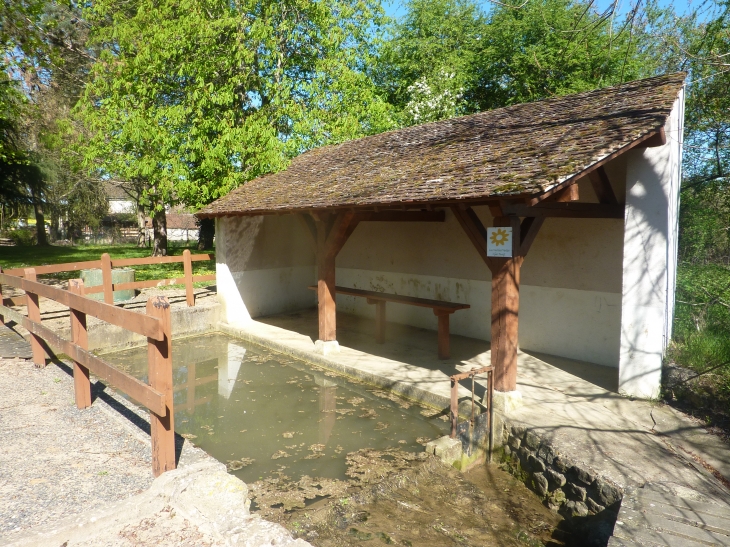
x=577, y=324
x=649, y=263
x=263, y=267
x=117, y=206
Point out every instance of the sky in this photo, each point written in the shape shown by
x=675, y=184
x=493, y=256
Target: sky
x=394, y=8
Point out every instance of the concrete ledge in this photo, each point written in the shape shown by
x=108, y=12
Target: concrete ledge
x=347, y=362
x=197, y=319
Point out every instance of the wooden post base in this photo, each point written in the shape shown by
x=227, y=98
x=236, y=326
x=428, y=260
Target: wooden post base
x=505, y=308
x=444, y=339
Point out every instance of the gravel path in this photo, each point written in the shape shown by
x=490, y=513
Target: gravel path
x=56, y=460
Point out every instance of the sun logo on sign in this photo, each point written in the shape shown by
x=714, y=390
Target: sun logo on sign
x=499, y=237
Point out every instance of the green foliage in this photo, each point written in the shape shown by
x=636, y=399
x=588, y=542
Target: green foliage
x=448, y=57
x=703, y=300
x=704, y=224
x=22, y=237
x=194, y=98
x=702, y=335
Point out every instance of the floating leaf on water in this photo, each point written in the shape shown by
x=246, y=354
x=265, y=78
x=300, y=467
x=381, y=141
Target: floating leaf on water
x=345, y=411
x=280, y=454
x=288, y=434
x=188, y=436
x=356, y=400
x=369, y=413
x=235, y=465
x=316, y=447
x=423, y=440
x=381, y=426
x=430, y=412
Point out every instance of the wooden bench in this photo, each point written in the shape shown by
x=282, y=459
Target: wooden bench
x=441, y=309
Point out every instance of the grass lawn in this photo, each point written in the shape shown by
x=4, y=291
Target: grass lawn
x=21, y=257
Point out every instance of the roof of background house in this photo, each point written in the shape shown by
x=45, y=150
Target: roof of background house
x=177, y=221
x=524, y=149
x=115, y=191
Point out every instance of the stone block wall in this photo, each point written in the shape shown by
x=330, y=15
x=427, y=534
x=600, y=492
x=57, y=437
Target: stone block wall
x=564, y=486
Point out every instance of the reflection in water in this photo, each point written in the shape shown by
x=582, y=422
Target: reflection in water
x=264, y=413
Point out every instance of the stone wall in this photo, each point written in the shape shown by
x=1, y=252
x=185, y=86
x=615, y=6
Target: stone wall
x=565, y=486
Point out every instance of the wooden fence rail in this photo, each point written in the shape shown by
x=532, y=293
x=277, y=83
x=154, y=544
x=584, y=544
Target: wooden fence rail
x=106, y=263
x=157, y=396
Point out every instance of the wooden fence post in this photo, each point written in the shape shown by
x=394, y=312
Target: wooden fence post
x=159, y=362
x=2, y=302
x=79, y=336
x=34, y=314
x=188, y=268
x=106, y=278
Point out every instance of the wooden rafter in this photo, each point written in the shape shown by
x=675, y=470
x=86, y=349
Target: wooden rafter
x=602, y=186
x=528, y=232
x=567, y=210
x=402, y=216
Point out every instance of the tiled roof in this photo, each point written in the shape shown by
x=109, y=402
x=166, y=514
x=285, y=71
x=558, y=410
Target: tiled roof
x=524, y=149
x=177, y=221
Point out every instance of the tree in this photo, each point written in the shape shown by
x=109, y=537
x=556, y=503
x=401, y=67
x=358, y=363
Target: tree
x=195, y=98
x=45, y=53
x=450, y=57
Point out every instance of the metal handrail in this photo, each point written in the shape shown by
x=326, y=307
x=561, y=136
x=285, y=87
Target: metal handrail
x=489, y=407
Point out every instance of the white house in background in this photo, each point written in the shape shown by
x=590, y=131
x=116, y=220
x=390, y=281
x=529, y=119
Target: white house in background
x=119, y=201
x=180, y=227
x=589, y=183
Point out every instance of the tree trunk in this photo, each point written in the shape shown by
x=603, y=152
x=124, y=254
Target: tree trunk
x=159, y=227
x=40, y=222
x=140, y=226
x=55, y=230
x=206, y=231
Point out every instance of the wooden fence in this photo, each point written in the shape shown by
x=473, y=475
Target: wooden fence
x=157, y=396
x=106, y=263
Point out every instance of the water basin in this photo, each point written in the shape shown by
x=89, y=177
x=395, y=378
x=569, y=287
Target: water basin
x=262, y=412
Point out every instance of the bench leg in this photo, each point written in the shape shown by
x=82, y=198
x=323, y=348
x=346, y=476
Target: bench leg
x=443, y=334
x=380, y=321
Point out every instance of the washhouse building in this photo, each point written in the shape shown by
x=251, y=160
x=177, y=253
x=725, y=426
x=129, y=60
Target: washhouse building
x=548, y=226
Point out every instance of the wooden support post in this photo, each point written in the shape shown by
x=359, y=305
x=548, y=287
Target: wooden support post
x=79, y=336
x=106, y=278
x=159, y=362
x=326, y=297
x=34, y=314
x=188, y=269
x=2, y=301
x=331, y=236
x=443, y=333
x=379, y=320
x=505, y=309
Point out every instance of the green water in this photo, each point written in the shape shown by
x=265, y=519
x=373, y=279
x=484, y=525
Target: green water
x=263, y=413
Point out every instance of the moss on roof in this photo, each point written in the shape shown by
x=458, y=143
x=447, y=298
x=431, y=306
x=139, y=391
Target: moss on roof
x=519, y=150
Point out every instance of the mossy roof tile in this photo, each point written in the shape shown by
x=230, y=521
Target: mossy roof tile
x=518, y=150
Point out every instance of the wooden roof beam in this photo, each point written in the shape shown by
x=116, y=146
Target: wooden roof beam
x=568, y=210
x=602, y=186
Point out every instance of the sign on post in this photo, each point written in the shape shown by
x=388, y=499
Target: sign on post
x=499, y=242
